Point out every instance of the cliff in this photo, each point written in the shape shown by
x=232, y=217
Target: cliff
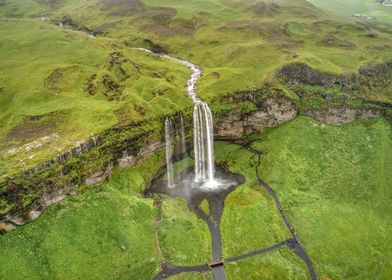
x=325, y=97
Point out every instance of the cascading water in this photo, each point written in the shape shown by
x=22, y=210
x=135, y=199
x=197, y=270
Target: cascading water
x=182, y=137
x=169, y=152
x=203, y=131
x=203, y=142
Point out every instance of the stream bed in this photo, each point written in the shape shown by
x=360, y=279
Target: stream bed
x=194, y=194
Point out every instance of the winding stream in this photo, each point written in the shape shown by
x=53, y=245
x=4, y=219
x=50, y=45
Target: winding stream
x=216, y=199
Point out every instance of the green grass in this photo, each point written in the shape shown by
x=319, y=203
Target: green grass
x=335, y=183
x=46, y=69
x=280, y=264
x=185, y=238
x=31, y=53
x=250, y=220
x=103, y=232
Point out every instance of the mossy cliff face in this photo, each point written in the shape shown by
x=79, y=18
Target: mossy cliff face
x=298, y=90
x=372, y=82
x=23, y=197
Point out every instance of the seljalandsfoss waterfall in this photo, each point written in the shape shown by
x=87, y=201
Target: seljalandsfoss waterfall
x=203, y=137
x=203, y=143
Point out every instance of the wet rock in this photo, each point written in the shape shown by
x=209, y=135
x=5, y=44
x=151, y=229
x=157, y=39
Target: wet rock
x=99, y=176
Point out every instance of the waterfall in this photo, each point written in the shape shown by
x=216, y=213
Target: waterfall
x=203, y=134
x=169, y=152
x=203, y=141
x=182, y=137
x=181, y=150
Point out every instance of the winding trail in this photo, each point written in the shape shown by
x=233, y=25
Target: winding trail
x=257, y=252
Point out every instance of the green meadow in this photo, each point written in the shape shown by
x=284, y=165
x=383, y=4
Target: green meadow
x=333, y=182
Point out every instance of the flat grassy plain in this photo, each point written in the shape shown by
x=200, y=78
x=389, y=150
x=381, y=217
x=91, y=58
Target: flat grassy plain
x=185, y=238
x=333, y=181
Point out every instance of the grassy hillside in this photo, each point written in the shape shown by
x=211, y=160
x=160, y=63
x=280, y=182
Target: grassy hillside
x=58, y=87
x=351, y=7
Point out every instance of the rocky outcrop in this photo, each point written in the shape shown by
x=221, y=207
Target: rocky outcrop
x=99, y=176
x=270, y=113
x=6, y=227
x=341, y=116
x=128, y=160
x=277, y=109
x=369, y=77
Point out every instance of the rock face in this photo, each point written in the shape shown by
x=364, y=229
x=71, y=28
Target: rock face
x=271, y=113
x=340, y=116
x=369, y=77
x=24, y=196
x=99, y=176
x=129, y=160
x=300, y=73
